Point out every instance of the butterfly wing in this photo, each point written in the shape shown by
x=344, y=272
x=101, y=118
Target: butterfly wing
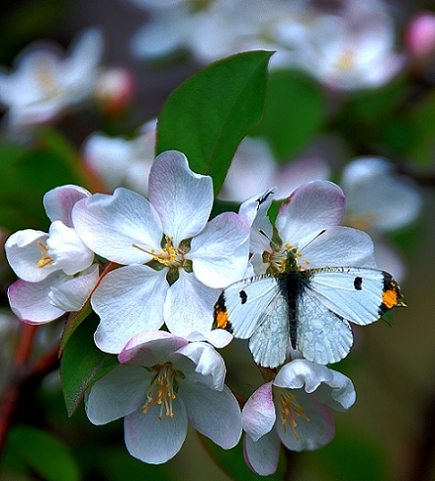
x=360, y=295
x=255, y=308
x=335, y=295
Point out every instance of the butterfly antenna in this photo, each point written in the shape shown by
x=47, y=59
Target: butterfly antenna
x=300, y=249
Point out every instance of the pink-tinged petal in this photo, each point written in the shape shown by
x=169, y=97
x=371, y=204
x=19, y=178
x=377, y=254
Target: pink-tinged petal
x=30, y=301
x=119, y=227
x=313, y=429
x=201, y=363
x=258, y=414
x=128, y=300
x=337, y=246
x=189, y=305
x=216, y=414
x=154, y=440
x=149, y=348
x=71, y=295
x=182, y=198
x=117, y=394
x=24, y=250
x=312, y=207
x=262, y=456
x=220, y=253
x=59, y=202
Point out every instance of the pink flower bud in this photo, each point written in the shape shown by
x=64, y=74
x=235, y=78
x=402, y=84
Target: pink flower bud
x=420, y=36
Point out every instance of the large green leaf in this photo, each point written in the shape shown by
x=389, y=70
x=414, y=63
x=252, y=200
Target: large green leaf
x=208, y=115
x=83, y=363
x=295, y=110
x=44, y=453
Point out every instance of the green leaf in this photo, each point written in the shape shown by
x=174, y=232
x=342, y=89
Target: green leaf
x=44, y=453
x=83, y=363
x=208, y=115
x=73, y=322
x=295, y=110
x=233, y=464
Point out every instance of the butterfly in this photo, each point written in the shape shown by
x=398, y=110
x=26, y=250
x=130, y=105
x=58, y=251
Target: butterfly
x=308, y=309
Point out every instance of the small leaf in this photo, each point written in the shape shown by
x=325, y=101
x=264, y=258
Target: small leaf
x=44, y=453
x=83, y=363
x=210, y=113
x=295, y=110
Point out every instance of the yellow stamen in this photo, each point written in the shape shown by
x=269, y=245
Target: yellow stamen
x=45, y=259
x=169, y=256
x=290, y=411
x=161, y=392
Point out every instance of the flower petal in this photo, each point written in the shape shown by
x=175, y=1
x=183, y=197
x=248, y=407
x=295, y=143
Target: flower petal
x=128, y=300
x=24, y=250
x=262, y=456
x=312, y=430
x=111, y=225
x=155, y=440
x=312, y=207
x=201, y=363
x=258, y=414
x=72, y=294
x=59, y=202
x=220, y=253
x=117, y=394
x=189, y=305
x=182, y=198
x=30, y=300
x=216, y=414
x=337, y=246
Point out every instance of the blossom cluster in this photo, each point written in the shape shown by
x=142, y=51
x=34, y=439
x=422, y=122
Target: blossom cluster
x=168, y=263
x=349, y=46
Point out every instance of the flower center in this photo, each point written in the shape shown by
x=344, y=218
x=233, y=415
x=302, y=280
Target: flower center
x=45, y=260
x=291, y=410
x=162, y=391
x=169, y=256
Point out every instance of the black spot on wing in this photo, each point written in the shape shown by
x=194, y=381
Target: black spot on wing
x=357, y=283
x=243, y=296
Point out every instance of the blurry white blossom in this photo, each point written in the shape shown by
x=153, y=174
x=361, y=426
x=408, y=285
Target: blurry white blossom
x=121, y=162
x=45, y=81
x=349, y=47
x=114, y=89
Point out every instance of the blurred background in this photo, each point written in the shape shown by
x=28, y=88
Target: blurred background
x=349, y=83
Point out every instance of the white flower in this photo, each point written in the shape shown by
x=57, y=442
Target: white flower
x=293, y=409
x=162, y=383
x=55, y=268
x=175, y=261
x=308, y=225
x=44, y=84
x=379, y=201
x=122, y=162
x=254, y=169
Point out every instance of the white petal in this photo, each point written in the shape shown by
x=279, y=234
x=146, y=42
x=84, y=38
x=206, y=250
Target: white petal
x=218, y=338
x=149, y=348
x=262, y=456
x=128, y=300
x=59, y=202
x=182, y=198
x=118, y=393
x=111, y=224
x=220, y=253
x=258, y=414
x=71, y=295
x=201, y=363
x=313, y=430
x=154, y=440
x=338, y=246
x=24, y=249
x=312, y=207
x=66, y=249
x=30, y=300
x=216, y=414
x=189, y=305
